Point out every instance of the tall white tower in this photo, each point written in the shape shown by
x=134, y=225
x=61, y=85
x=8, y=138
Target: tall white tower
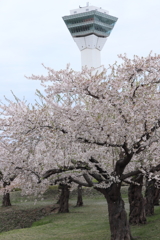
x=90, y=26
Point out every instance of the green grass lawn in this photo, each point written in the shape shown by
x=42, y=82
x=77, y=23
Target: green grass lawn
x=84, y=223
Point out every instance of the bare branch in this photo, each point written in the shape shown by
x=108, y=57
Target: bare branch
x=130, y=174
x=88, y=180
x=79, y=182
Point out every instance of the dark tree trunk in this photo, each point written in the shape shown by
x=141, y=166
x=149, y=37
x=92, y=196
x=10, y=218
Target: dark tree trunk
x=149, y=194
x=58, y=202
x=137, y=213
x=6, y=202
x=119, y=225
x=79, y=196
x=64, y=199
x=156, y=197
x=59, y=195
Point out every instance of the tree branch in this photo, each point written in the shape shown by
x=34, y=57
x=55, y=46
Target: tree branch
x=84, y=140
x=79, y=182
x=88, y=180
x=130, y=174
x=31, y=171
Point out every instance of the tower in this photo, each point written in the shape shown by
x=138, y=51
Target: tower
x=90, y=27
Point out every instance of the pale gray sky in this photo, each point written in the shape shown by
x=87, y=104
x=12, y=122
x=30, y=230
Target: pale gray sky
x=33, y=32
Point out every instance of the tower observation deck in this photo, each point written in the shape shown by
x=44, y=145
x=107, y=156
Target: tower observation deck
x=90, y=26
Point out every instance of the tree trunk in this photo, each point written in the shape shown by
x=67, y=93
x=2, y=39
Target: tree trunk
x=79, y=196
x=58, y=202
x=149, y=194
x=64, y=199
x=59, y=195
x=156, y=197
x=119, y=226
x=6, y=200
x=137, y=213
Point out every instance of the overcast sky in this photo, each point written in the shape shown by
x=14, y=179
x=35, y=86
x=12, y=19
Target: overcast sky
x=33, y=32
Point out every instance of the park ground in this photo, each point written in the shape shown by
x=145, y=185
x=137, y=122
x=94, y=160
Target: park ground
x=40, y=220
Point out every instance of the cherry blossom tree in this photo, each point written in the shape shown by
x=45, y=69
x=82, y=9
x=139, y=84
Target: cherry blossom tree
x=152, y=186
x=28, y=145
x=118, y=108
x=7, y=173
x=84, y=119
x=149, y=179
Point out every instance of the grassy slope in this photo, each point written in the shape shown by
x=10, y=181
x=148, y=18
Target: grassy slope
x=151, y=230
x=85, y=223
x=88, y=222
